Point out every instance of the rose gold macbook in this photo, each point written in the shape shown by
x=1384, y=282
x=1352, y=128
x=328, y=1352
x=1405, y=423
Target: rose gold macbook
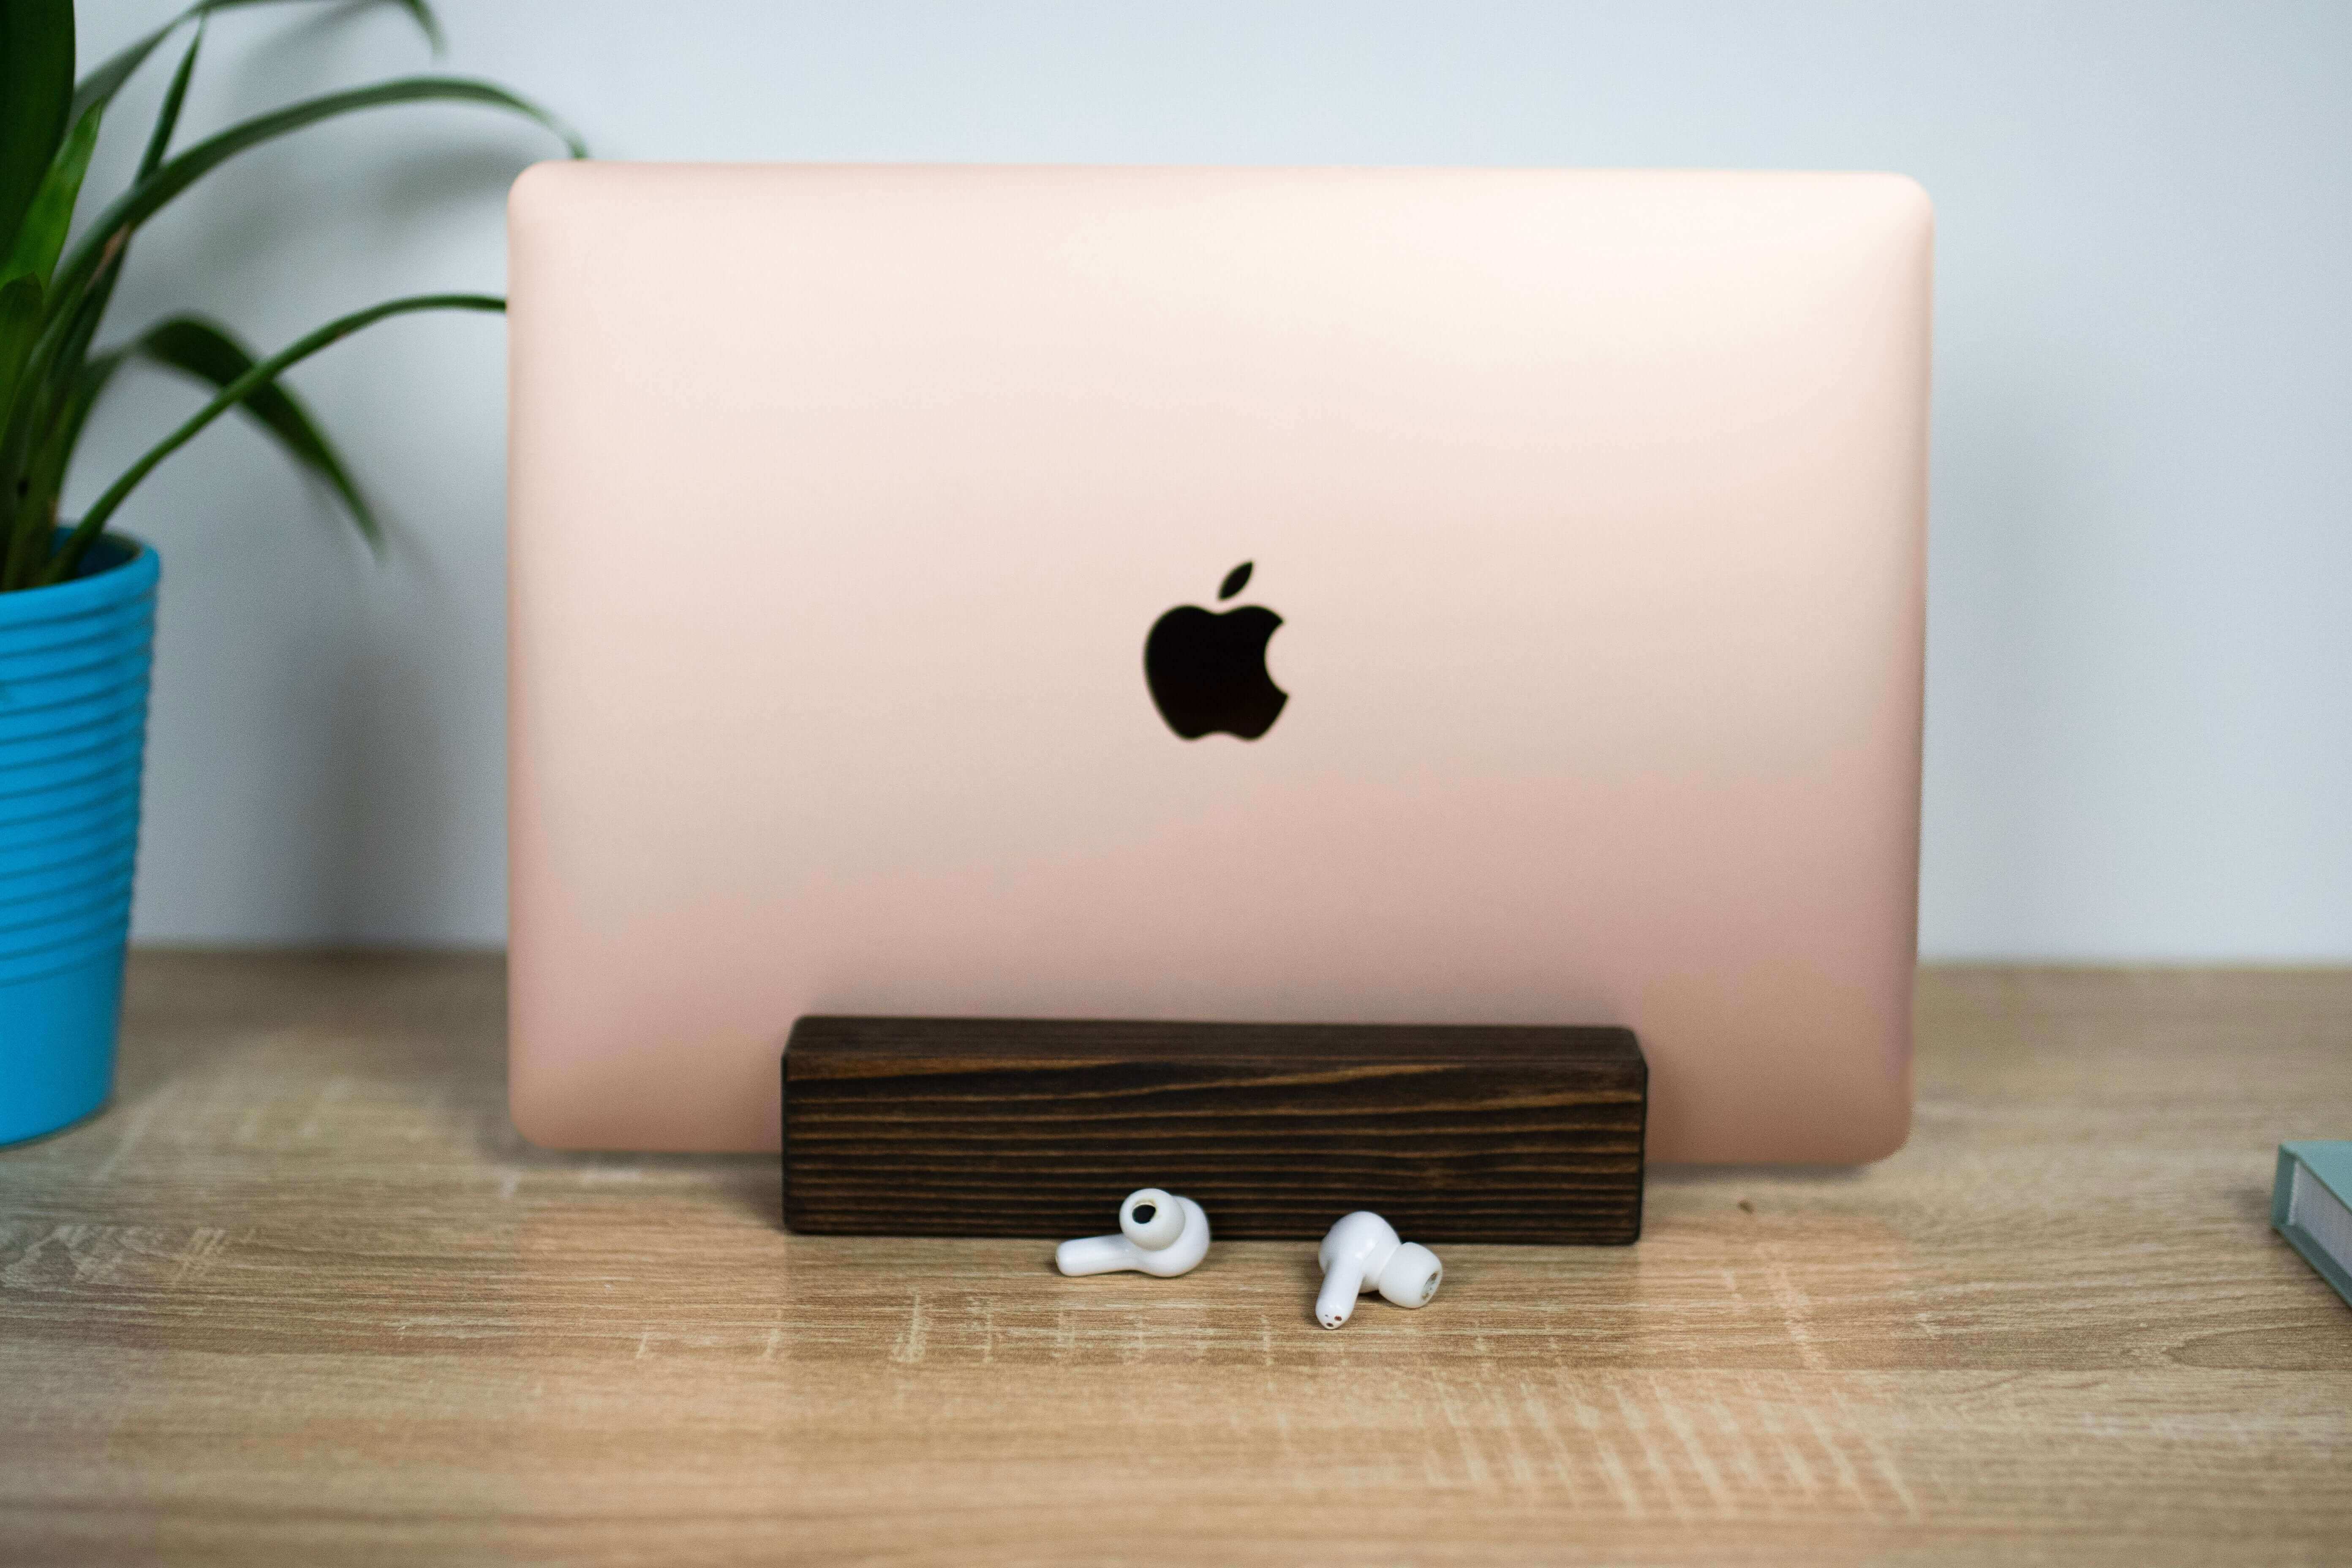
x=1444, y=596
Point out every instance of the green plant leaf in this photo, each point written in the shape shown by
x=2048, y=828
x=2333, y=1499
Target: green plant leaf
x=51, y=371
x=206, y=351
x=22, y=498
x=20, y=320
x=426, y=23
x=98, y=89
x=167, y=117
x=96, y=372
x=29, y=541
x=37, y=51
x=143, y=200
x=42, y=234
x=61, y=566
x=20, y=315
x=418, y=11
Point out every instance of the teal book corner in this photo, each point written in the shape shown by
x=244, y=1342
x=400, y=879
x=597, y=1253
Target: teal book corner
x=2310, y=1205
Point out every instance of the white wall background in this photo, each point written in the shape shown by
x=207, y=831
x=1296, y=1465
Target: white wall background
x=2139, y=733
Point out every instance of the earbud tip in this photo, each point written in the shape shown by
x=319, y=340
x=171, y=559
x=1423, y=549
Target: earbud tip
x=1411, y=1278
x=1151, y=1217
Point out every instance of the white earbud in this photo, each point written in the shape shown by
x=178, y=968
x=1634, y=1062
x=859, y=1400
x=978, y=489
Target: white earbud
x=1160, y=1234
x=1362, y=1253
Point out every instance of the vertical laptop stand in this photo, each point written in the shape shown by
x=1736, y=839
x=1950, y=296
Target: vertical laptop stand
x=1037, y=1127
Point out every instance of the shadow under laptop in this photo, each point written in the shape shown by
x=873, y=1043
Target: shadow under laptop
x=1748, y=1175
x=749, y=1185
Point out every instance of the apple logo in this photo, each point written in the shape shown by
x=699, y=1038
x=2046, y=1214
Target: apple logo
x=1207, y=672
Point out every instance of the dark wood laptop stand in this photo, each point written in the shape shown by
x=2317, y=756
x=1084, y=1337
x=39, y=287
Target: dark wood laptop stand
x=1028, y=1127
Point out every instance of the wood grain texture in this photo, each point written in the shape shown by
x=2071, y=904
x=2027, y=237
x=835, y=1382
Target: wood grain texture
x=1039, y=1127
x=302, y=1297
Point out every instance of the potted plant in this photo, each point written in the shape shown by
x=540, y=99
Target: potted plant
x=78, y=602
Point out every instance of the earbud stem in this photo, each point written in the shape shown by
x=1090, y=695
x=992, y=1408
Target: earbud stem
x=1097, y=1255
x=1341, y=1286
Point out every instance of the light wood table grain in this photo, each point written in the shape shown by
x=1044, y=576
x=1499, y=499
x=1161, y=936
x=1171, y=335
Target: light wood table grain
x=303, y=1297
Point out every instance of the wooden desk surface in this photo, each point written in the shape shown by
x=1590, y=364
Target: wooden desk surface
x=303, y=1297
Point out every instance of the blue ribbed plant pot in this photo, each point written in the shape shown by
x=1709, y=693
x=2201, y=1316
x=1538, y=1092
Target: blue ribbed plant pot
x=73, y=735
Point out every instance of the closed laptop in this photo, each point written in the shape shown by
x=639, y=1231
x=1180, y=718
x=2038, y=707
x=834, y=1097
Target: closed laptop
x=1377, y=595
